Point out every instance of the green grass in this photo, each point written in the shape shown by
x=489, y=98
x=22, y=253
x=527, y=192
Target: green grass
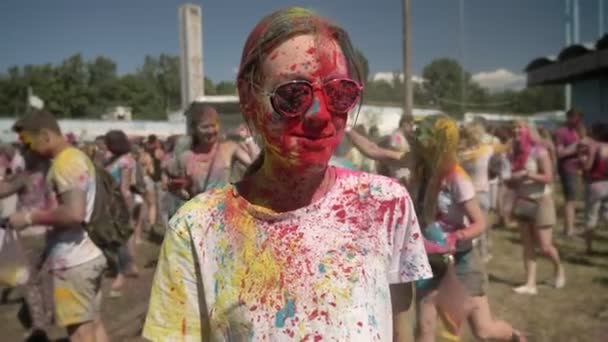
x=578, y=312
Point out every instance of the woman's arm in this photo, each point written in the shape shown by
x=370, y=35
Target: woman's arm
x=125, y=185
x=545, y=170
x=373, y=151
x=477, y=221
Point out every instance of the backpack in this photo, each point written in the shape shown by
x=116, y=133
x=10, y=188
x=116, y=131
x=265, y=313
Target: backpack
x=109, y=227
x=138, y=184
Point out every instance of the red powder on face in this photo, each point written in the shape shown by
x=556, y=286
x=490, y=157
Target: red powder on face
x=274, y=55
x=311, y=51
x=293, y=67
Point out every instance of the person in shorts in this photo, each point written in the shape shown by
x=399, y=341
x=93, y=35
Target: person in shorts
x=568, y=166
x=76, y=264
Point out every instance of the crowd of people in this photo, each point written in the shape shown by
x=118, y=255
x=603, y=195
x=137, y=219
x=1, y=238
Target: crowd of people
x=265, y=238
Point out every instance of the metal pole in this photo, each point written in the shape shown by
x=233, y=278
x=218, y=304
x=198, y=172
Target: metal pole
x=567, y=88
x=600, y=21
x=462, y=57
x=407, y=61
x=575, y=23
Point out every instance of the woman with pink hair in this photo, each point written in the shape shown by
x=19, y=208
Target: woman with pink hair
x=532, y=175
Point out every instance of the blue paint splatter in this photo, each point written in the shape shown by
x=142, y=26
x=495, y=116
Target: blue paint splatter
x=321, y=268
x=282, y=315
x=315, y=108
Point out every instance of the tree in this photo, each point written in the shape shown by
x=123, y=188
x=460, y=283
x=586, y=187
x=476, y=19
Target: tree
x=444, y=83
x=209, y=87
x=225, y=88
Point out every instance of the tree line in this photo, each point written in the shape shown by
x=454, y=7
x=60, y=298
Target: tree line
x=76, y=88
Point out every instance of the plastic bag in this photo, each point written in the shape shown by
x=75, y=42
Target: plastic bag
x=14, y=267
x=452, y=299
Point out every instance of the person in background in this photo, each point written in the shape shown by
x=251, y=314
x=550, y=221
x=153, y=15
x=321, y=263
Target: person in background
x=475, y=155
x=154, y=150
x=101, y=151
x=298, y=250
x=446, y=197
x=566, y=140
x=593, y=154
x=206, y=164
x=531, y=179
x=121, y=166
x=241, y=136
x=76, y=264
x=358, y=160
x=547, y=141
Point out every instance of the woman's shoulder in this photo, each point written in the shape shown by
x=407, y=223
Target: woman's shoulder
x=200, y=210
x=380, y=187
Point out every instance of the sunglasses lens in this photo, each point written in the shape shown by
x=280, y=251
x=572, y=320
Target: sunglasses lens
x=292, y=99
x=342, y=95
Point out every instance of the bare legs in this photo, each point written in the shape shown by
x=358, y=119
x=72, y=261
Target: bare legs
x=532, y=237
x=483, y=325
x=92, y=331
x=570, y=217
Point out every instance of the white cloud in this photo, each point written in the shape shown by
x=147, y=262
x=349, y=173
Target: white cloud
x=388, y=77
x=500, y=79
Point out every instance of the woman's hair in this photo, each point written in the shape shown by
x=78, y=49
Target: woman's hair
x=269, y=33
x=471, y=135
x=117, y=142
x=435, y=147
x=528, y=139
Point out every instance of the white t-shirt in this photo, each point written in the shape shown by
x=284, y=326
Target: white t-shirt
x=71, y=246
x=456, y=189
x=321, y=272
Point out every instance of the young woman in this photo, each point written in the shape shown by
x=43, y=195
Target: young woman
x=475, y=156
x=531, y=179
x=594, y=158
x=447, y=198
x=298, y=250
x=121, y=166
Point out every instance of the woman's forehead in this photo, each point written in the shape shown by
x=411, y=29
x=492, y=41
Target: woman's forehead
x=306, y=55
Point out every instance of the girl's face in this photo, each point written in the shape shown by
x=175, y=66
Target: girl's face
x=307, y=139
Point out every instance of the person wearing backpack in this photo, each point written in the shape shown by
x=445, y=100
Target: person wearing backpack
x=75, y=262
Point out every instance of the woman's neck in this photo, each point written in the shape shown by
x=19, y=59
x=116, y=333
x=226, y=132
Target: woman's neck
x=284, y=189
x=202, y=148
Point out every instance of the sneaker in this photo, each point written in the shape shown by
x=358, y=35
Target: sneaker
x=525, y=289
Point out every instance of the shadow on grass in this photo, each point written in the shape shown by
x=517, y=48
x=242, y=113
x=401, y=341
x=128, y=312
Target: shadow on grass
x=579, y=260
x=10, y=296
x=516, y=240
x=495, y=279
x=601, y=280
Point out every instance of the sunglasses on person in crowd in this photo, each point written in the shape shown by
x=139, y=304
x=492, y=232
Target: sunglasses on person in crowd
x=294, y=98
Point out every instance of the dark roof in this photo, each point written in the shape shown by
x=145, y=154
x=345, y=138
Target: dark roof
x=574, y=62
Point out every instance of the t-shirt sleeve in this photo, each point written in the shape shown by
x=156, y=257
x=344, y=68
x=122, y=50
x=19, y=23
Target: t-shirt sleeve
x=462, y=187
x=72, y=173
x=173, y=313
x=408, y=260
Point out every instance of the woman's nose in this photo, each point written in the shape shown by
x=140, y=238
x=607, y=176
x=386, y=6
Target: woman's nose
x=318, y=115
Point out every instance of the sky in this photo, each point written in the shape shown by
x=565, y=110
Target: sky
x=500, y=37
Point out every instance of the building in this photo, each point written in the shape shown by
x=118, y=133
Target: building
x=585, y=68
x=118, y=113
x=191, y=55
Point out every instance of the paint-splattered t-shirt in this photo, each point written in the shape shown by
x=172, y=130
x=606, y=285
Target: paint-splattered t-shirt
x=71, y=246
x=321, y=272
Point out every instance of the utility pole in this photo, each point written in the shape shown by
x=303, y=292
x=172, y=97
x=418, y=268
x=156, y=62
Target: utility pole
x=463, y=90
x=568, y=88
x=408, y=101
x=600, y=18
